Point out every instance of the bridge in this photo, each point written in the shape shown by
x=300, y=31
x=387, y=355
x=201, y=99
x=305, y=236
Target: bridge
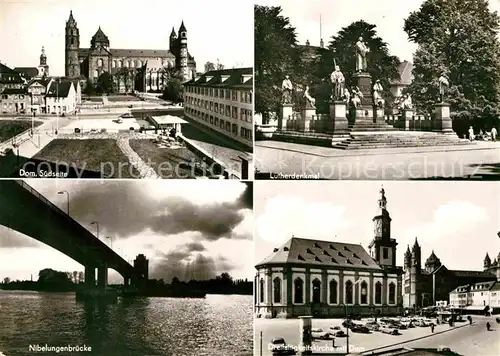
x=25, y=210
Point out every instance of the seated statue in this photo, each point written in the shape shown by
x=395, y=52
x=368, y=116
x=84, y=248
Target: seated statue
x=310, y=101
x=357, y=95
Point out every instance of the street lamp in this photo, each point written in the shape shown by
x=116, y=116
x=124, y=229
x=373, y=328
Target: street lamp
x=96, y=223
x=110, y=240
x=67, y=199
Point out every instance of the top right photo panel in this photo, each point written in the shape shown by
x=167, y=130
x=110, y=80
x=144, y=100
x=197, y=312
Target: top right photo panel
x=377, y=90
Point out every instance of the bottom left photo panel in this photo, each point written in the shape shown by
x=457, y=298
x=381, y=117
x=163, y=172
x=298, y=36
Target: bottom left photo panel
x=144, y=268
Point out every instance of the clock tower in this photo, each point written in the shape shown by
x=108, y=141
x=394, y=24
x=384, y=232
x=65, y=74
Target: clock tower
x=383, y=248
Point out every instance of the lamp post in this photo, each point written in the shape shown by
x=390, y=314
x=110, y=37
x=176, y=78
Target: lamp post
x=67, y=199
x=96, y=223
x=58, y=105
x=110, y=241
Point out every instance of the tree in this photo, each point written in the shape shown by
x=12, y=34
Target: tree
x=124, y=75
x=342, y=49
x=173, y=91
x=6, y=280
x=209, y=66
x=105, y=83
x=276, y=55
x=457, y=38
x=219, y=66
x=89, y=88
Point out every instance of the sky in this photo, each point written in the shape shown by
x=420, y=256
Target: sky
x=458, y=221
x=387, y=15
x=216, y=29
x=207, y=223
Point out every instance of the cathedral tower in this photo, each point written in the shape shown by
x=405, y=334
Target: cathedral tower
x=383, y=248
x=415, y=272
x=487, y=262
x=72, y=64
x=183, y=52
x=173, y=41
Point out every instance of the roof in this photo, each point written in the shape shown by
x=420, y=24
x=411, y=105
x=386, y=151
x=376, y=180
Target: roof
x=167, y=120
x=43, y=81
x=432, y=258
x=322, y=254
x=99, y=37
x=483, y=274
x=8, y=75
x=182, y=27
x=405, y=73
x=60, y=90
x=141, y=53
x=460, y=289
x=482, y=286
x=13, y=91
x=225, y=78
x=28, y=72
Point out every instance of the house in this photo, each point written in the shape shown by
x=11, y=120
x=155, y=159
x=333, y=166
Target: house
x=14, y=101
x=61, y=96
x=37, y=88
x=9, y=78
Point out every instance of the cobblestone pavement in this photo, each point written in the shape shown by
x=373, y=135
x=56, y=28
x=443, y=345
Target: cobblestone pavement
x=482, y=162
x=289, y=329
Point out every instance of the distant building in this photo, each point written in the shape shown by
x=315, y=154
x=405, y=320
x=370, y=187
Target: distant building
x=10, y=79
x=37, y=88
x=141, y=265
x=478, y=297
x=221, y=100
x=405, y=78
x=125, y=64
x=61, y=96
x=332, y=279
x=14, y=101
x=424, y=286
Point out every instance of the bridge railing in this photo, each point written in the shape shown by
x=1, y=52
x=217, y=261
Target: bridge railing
x=61, y=212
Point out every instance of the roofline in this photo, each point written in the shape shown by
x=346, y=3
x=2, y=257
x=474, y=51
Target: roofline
x=301, y=265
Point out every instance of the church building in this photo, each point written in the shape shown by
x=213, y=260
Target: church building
x=331, y=279
x=130, y=67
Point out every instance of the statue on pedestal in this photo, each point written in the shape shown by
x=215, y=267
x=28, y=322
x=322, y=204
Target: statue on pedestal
x=286, y=88
x=338, y=82
x=378, y=100
x=357, y=95
x=310, y=101
x=407, y=103
x=361, y=52
x=347, y=95
x=443, y=87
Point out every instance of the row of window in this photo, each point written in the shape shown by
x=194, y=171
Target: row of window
x=244, y=96
x=15, y=97
x=227, y=110
x=221, y=123
x=298, y=292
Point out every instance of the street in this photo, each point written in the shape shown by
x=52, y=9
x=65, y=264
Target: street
x=481, y=161
x=464, y=339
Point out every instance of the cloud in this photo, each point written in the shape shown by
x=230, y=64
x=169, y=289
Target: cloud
x=10, y=238
x=287, y=216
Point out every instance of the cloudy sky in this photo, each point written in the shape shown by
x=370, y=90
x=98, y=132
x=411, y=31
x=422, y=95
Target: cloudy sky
x=216, y=29
x=459, y=221
x=186, y=229
x=388, y=15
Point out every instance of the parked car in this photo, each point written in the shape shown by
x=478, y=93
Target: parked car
x=399, y=326
x=358, y=328
x=373, y=326
x=347, y=323
x=339, y=333
x=127, y=115
x=279, y=347
x=336, y=327
x=119, y=121
x=320, y=334
x=389, y=330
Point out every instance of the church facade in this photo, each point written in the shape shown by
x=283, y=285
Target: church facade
x=331, y=279
x=132, y=69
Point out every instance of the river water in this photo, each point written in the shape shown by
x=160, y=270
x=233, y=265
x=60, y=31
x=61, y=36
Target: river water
x=219, y=325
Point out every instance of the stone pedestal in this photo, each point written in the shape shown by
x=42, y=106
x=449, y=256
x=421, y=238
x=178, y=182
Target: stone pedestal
x=407, y=117
x=442, y=119
x=305, y=335
x=364, y=83
x=286, y=112
x=364, y=114
x=338, y=118
x=379, y=116
x=307, y=115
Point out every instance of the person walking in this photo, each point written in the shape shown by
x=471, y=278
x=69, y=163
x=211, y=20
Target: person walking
x=471, y=133
x=432, y=328
x=494, y=134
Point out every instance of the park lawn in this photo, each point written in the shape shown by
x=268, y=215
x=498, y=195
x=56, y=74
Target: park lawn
x=167, y=163
x=11, y=128
x=123, y=98
x=97, y=155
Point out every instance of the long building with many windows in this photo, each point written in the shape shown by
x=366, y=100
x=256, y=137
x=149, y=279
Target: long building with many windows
x=221, y=100
x=331, y=279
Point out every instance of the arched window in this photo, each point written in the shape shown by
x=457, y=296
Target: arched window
x=96, y=73
x=333, y=291
x=364, y=293
x=261, y=290
x=114, y=63
x=72, y=40
x=120, y=63
x=138, y=64
x=348, y=292
x=298, y=290
x=378, y=293
x=126, y=64
x=277, y=290
x=316, y=284
x=132, y=64
x=392, y=293
x=99, y=62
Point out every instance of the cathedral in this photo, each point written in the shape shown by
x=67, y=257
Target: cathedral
x=132, y=69
x=331, y=279
x=428, y=284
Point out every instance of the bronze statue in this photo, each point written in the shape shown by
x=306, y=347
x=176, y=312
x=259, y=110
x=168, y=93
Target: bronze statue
x=361, y=53
x=378, y=100
x=286, y=87
x=443, y=87
x=338, y=82
x=310, y=101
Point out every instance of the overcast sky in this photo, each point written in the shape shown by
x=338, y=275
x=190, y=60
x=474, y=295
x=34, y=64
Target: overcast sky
x=387, y=15
x=459, y=220
x=206, y=223
x=215, y=29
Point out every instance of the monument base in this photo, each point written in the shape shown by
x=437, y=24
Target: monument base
x=338, y=118
x=407, y=117
x=286, y=112
x=379, y=116
x=442, y=120
x=307, y=115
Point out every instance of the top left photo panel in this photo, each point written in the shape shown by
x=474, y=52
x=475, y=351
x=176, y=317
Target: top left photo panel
x=121, y=90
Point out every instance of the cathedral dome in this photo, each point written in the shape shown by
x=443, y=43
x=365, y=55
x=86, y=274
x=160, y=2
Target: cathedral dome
x=99, y=38
x=433, y=259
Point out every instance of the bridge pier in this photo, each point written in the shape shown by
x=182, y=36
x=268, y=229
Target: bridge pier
x=102, y=276
x=89, y=276
x=126, y=281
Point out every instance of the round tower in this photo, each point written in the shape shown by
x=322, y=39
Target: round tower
x=43, y=68
x=183, y=52
x=72, y=64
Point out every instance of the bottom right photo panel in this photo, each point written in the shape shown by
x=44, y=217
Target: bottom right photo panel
x=377, y=268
